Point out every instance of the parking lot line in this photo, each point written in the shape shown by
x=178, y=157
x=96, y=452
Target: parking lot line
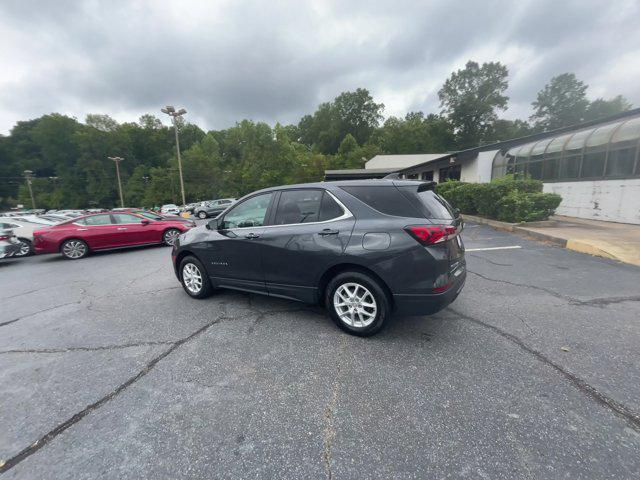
x=510, y=247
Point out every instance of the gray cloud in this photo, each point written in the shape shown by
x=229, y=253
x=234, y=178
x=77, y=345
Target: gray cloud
x=275, y=61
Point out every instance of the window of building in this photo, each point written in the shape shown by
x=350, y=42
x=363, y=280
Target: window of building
x=620, y=162
x=450, y=173
x=427, y=176
x=593, y=164
x=569, y=167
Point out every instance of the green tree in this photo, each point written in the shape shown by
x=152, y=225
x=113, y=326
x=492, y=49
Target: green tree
x=470, y=98
x=601, y=108
x=354, y=113
x=415, y=134
x=562, y=102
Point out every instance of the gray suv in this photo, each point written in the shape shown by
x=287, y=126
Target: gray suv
x=212, y=208
x=365, y=249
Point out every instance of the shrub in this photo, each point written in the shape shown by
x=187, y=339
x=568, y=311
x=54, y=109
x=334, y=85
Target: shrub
x=526, y=207
x=505, y=199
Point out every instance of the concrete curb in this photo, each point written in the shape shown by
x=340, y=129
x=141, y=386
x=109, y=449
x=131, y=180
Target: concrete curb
x=586, y=247
x=519, y=228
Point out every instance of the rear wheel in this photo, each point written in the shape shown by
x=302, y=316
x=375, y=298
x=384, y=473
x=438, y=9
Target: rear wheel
x=357, y=303
x=194, y=278
x=170, y=236
x=202, y=215
x=74, y=249
x=26, y=248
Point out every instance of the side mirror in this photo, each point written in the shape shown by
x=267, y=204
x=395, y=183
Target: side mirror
x=145, y=222
x=214, y=224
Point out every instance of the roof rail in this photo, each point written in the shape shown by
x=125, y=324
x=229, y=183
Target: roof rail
x=392, y=176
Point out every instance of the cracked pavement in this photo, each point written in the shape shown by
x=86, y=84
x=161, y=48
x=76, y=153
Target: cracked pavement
x=109, y=370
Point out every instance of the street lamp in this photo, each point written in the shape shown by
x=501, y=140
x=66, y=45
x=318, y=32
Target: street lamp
x=171, y=111
x=117, y=160
x=28, y=174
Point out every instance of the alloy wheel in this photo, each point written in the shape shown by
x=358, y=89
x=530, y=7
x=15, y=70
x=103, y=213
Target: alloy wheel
x=355, y=305
x=170, y=236
x=202, y=215
x=74, y=249
x=25, y=249
x=192, y=278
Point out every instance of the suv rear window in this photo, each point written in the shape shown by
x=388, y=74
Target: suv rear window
x=385, y=199
x=431, y=204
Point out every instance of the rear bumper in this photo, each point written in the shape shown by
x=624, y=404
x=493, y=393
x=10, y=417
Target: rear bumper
x=426, y=304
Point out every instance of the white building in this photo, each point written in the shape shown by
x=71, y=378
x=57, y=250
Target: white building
x=594, y=166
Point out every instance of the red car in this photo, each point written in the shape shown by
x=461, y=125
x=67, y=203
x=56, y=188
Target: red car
x=76, y=238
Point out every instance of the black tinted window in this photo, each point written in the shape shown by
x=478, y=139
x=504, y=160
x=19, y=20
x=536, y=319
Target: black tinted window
x=298, y=206
x=384, y=198
x=329, y=208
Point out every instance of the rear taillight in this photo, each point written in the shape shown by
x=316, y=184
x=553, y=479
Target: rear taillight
x=4, y=237
x=431, y=234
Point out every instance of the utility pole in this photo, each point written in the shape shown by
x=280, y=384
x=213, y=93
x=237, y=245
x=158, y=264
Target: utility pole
x=28, y=175
x=171, y=111
x=117, y=160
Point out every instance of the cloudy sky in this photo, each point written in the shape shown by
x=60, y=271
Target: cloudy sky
x=276, y=60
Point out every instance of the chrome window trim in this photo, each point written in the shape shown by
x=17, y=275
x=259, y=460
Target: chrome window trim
x=347, y=213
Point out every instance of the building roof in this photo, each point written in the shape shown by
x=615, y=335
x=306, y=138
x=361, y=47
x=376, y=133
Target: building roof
x=399, y=162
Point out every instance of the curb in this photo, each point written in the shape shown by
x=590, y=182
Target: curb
x=585, y=247
x=518, y=228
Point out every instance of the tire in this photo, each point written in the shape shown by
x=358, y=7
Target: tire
x=74, y=249
x=26, y=248
x=202, y=215
x=170, y=236
x=190, y=270
x=370, y=308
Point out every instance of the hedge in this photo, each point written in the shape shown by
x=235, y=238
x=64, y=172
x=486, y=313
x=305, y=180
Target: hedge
x=504, y=199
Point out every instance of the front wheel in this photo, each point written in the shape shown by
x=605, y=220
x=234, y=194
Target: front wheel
x=74, y=249
x=202, y=215
x=170, y=236
x=194, y=278
x=357, y=303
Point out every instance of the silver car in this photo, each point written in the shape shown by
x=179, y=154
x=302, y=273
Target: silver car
x=9, y=244
x=23, y=231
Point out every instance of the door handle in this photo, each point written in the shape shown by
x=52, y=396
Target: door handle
x=328, y=231
x=251, y=236
x=122, y=228
x=81, y=229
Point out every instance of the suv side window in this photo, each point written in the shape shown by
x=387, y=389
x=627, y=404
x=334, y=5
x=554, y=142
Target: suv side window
x=298, y=206
x=329, y=208
x=385, y=199
x=250, y=213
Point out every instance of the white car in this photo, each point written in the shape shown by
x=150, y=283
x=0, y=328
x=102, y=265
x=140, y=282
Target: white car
x=170, y=208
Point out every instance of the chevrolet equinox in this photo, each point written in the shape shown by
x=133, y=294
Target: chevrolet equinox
x=363, y=248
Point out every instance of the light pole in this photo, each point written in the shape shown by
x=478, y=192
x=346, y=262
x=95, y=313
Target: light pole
x=171, y=111
x=28, y=174
x=117, y=161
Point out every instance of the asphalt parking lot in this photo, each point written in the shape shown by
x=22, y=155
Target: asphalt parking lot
x=109, y=370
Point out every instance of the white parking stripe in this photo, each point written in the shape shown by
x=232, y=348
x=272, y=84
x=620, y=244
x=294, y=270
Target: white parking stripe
x=511, y=247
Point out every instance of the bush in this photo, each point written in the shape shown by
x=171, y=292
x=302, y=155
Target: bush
x=527, y=207
x=505, y=199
